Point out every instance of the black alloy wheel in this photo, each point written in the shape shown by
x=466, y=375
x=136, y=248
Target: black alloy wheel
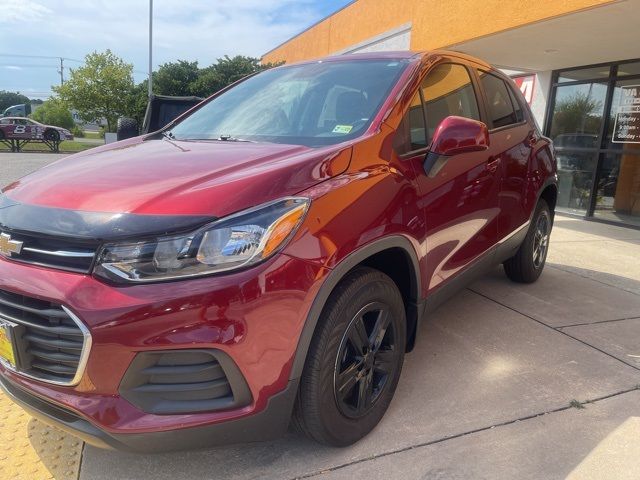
x=541, y=240
x=528, y=262
x=365, y=360
x=354, y=361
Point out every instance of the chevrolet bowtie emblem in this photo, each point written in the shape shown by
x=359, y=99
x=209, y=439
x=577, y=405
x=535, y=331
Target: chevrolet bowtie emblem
x=8, y=246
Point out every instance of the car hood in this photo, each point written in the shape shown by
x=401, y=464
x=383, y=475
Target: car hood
x=166, y=177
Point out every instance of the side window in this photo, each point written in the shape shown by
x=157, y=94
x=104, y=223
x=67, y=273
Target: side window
x=516, y=105
x=411, y=134
x=499, y=104
x=447, y=90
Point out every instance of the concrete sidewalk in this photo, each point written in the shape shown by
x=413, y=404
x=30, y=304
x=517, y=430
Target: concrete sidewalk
x=507, y=381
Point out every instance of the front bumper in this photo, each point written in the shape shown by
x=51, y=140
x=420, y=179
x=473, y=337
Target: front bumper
x=255, y=317
x=268, y=424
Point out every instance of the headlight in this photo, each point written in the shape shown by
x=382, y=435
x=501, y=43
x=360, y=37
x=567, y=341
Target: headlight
x=230, y=243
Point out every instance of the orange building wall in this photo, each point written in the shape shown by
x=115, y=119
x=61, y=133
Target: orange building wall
x=435, y=23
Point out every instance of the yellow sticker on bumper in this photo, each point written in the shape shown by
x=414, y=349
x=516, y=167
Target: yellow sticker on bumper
x=6, y=347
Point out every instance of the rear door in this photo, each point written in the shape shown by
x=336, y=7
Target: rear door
x=460, y=201
x=511, y=145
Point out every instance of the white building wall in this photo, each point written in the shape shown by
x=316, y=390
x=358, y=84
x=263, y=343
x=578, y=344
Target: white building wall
x=398, y=38
x=541, y=93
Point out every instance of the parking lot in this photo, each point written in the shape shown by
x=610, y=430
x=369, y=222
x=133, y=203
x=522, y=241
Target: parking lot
x=506, y=381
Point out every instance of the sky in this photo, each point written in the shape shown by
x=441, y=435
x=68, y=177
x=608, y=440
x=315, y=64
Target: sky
x=201, y=30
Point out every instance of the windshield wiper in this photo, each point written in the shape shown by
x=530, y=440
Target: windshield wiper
x=169, y=135
x=231, y=138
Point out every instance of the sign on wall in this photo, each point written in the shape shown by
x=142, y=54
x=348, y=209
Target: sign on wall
x=626, y=128
x=526, y=84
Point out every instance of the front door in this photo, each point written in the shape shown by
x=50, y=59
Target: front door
x=460, y=201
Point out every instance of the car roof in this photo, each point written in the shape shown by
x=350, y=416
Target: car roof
x=394, y=55
x=390, y=55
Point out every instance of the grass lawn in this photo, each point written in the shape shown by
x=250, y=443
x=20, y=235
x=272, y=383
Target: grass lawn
x=69, y=146
x=94, y=135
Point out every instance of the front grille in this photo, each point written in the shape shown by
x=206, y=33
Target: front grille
x=62, y=253
x=184, y=381
x=51, y=344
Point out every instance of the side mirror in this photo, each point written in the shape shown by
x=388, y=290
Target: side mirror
x=455, y=135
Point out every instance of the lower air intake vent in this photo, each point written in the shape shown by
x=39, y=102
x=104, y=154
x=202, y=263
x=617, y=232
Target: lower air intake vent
x=184, y=381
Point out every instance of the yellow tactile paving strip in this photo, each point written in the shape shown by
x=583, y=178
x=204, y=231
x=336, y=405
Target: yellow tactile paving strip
x=31, y=450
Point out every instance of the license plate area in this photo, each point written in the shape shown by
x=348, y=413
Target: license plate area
x=8, y=351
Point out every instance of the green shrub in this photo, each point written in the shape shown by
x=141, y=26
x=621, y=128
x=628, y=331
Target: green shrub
x=54, y=112
x=77, y=131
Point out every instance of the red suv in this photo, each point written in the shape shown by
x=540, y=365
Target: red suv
x=267, y=257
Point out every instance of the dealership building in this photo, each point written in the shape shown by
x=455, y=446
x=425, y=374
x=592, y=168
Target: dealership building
x=577, y=63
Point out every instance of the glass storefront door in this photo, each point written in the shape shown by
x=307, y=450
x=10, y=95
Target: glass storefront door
x=594, y=118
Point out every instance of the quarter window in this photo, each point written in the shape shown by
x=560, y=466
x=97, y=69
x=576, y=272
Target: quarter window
x=517, y=106
x=501, y=111
x=411, y=134
x=447, y=90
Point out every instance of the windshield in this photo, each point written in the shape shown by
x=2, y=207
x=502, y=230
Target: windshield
x=311, y=104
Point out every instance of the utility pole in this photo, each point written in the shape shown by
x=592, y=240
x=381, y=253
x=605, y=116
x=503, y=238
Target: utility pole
x=150, y=46
x=61, y=71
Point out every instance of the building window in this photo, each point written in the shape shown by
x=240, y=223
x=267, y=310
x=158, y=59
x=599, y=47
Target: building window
x=591, y=125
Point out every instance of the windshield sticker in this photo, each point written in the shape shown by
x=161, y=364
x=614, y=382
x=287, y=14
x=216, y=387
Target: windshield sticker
x=342, y=129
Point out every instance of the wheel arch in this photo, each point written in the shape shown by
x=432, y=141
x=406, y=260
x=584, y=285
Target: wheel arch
x=49, y=130
x=394, y=256
x=549, y=193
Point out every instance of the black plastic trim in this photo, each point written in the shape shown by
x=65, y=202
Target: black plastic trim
x=91, y=226
x=225, y=385
x=479, y=267
x=268, y=424
x=548, y=182
x=338, y=273
x=54, y=415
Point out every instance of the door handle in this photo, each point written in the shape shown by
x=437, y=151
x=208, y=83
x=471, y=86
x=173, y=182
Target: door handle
x=493, y=164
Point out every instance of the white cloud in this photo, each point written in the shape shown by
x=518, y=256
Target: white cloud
x=198, y=29
x=18, y=11
x=12, y=67
x=202, y=30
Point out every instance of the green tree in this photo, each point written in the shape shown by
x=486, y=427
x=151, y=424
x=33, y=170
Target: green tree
x=175, y=78
x=578, y=113
x=226, y=71
x=182, y=78
x=137, y=101
x=101, y=88
x=54, y=112
x=8, y=99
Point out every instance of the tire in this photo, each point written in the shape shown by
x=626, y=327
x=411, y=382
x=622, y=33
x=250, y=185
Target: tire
x=127, y=128
x=527, y=264
x=341, y=417
x=52, y=135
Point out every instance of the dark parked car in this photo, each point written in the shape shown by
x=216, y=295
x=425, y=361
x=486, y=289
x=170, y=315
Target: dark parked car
x=161, y=110
x=270, y=254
